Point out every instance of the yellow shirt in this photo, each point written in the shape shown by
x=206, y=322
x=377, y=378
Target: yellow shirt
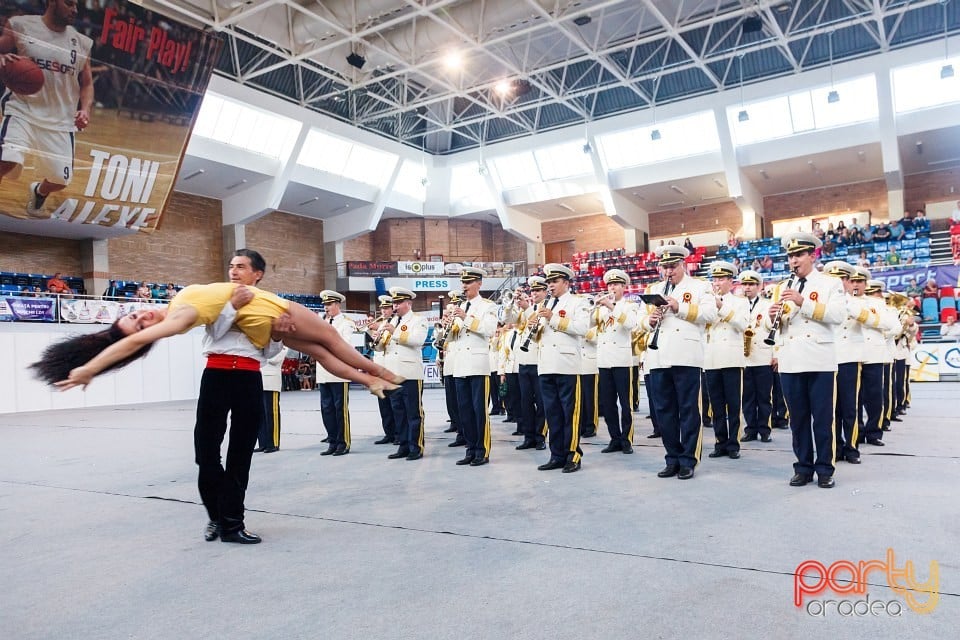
x=253, y=319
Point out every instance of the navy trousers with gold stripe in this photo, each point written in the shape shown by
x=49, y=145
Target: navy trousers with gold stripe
x=810, y=399
x=269, y=437
x=335, y=412
x=871, y=400
x=725, y=389
x=847, y=419
x=473, y=397
x=676, y=403
x=386, y=418
x=561, y=407
x=899, y=386
x=453, y=406
x=757, y=399
x=407, y=405
x=589, y=413
x=653, y=414
x=781, y=417
x=530, y=420
x=616, y=402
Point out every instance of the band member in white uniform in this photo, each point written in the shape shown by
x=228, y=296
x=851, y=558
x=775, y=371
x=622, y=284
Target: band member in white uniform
x=375, y=337
x=530, y=418
x=404, y=356
x=758, y=372
x=618, y=319
x=334, y=391
x=848, y=337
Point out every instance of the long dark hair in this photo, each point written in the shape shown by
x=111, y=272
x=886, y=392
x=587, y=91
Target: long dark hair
x=61, y=357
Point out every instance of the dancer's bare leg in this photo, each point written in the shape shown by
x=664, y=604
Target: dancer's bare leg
x=337, y=367
x=310, y=328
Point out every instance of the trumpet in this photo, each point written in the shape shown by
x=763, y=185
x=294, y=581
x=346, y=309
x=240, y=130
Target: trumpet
x=654, y=343
x=383, y=338
x=771, y=338
x=537, y=329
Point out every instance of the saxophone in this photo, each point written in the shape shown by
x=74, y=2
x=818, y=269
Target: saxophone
x=638, y=341
x=748, y=334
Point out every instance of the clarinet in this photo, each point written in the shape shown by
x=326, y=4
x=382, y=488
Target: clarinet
x=446, y=334
x=771, y=338
x=536, y=328
x=653, y=344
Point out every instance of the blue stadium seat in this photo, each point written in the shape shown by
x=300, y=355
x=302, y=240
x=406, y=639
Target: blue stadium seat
x=930, y=310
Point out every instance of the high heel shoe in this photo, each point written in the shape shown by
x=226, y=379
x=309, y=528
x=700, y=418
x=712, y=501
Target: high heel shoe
x=381, y=388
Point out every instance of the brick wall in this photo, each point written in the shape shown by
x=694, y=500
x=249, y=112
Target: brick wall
x=711, y=217
x=36, y=254
x=293, y=248
x=862, y=196
x=507, y=247
x=931, y=187
x=589, y=233
x=455, y=240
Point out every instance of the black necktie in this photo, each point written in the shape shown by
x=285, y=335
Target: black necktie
x=513, y=340
x=753, y=305
x=331, y=320
x=803, y=282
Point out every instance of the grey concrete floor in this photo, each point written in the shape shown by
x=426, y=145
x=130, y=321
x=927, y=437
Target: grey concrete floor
x=101, y=525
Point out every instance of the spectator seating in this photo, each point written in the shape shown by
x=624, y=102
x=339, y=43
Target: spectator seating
x=947, y=312
x=930, y=310
x=13, y=282
x=589, y=268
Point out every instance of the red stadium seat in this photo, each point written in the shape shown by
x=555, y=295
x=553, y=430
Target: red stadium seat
x=946, y=292
x=947, y=313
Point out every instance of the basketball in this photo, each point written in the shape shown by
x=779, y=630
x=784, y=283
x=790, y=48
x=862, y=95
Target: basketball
x=22, y=76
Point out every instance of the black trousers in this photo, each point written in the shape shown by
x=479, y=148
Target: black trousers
x=269, y=437
x=636, y=387
x=616, y=403
x=512, y=401
x=335, y=412
x=386, y=418
x=530, y=419
x=810, y=397
x=653, y=414
x=676, y=401
x=871, y=401
x=725, y=389
x=561, y=407
x=781, y=416
x=757, y=399
x=706, y=409
x=887, y=394
x=846, y=418
x=899, y=384
x=496, y=402
x=223, y=487
x=407, y=406
x=453, y=407
x=588, y=403
x=472, y=398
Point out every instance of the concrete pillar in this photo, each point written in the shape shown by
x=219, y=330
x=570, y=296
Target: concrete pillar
x=332, y=257
x=95, y=263
x=234, y=237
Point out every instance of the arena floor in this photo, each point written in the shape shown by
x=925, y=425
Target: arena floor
x=101, y=526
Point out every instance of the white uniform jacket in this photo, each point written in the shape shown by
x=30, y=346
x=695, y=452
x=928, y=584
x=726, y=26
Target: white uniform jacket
x=473, y=349
x=681, y=338
x=807, y=332
x=404, y=352
x=761, y=354
x=528, y=319
x=881, y=321
x=560, y=344
x=724, y=348
x=508, y=353
x=270, y=371
x=588, y=344
x=901, y=347
x=614, y=344
x=849, y=334
x=346, y=328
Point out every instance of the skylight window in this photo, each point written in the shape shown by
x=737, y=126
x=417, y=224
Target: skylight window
x=242, y=126
x=468, y=188
x=324, y=152
x=517, y=170
x=924, y=85
x=563, y=161
x=411, y=181
x=679, y=138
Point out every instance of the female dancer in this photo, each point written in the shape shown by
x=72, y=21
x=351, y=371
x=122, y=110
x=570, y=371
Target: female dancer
x=76, y=361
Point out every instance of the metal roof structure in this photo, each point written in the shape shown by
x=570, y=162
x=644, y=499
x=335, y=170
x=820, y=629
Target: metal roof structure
x=450, y=75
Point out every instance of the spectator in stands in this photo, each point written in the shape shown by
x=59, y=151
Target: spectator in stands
x=688, y=244
x=672, y=242
x=882, y=232
x=169, y=291
x=828, y=250
x=144, y=292
x=930, y=289
x=31, y=292
x=863, y=260
x=950, y=330
x=909, y=261
x=818, y=231
x=913, y=289
x=831, y=232
x=878, y=263
x=732, y=241
x=159, y=292
x=112, y=291
x=896, y=230
x=841, y=227
x=844, y=237
x=57, y=286
x=893, y=258
x=736, y=263
x=767, y=265
x=920, y=221
x=756, y=266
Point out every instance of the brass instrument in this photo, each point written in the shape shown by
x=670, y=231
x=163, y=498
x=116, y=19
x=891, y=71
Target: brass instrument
x=454, y=330
x=748, y=334
x=638, y=341
x=771, y=338
x=536, y=330
x=654, y=343
x=384, y=337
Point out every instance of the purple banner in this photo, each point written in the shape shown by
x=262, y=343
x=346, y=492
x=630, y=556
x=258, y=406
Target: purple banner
x=32, y=309
x=944, y=276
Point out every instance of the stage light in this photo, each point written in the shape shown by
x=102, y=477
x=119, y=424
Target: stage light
x=356, y=60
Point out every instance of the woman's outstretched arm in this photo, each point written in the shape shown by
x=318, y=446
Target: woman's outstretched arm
x=177, y=322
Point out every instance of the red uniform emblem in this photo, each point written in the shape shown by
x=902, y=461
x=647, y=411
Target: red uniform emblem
x=563, y=314
x=687, y=297
x=814, y=295
x=403, y=328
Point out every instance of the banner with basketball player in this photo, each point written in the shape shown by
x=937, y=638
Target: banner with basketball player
x=97, y=106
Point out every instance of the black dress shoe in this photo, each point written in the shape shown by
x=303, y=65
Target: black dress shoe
x=668, y=471
x=384, y=440
x=327, y=439
x=877, y=442
x=258, y=450
x=270, y=449
x=826, y=482
x=541, y=446
x=240, y=537
x=517, y=433
x=397, y=455
x=750, y=437
x=341, y=452
x=479, y=462
x=766, y=438
x=799, y=480
x=496, y=413
x=895, y=419
x=458, y=443
x=589, y=434
x=329, y=452
x=852, y=459
x=717, y=454
x=627, y=448
x=211, y=532
x=610, y=448
x=553, y=464
x=450, y=429
x=571, y=467
x=653, y=435
x=465, y=461
x=734, y=455
x=685, y=473
x=415, y=456
x=526, y=445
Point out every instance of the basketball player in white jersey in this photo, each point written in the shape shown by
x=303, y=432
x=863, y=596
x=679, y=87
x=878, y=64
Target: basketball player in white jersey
x=46, y=121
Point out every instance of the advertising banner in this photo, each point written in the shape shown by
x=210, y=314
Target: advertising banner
x=32, y=309
x=371, y=268
x=98, y=111
x=420, y=268
x=925, y=363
